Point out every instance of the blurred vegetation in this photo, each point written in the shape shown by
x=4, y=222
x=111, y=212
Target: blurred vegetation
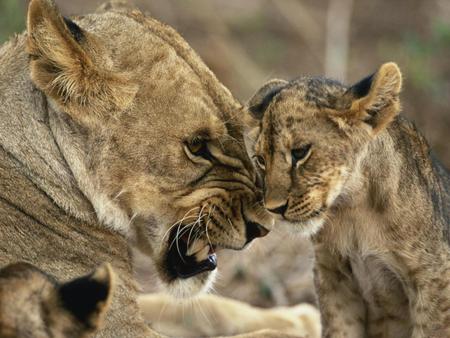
x=12, y=18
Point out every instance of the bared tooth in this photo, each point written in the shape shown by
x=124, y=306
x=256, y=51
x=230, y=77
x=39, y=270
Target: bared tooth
x=195, y=247
x=202, y=254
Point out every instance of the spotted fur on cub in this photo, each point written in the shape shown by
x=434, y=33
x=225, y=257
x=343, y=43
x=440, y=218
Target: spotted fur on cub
x=340, y=164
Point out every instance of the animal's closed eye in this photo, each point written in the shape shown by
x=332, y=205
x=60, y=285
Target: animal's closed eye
x=199, y=147
x=301, y=154
x=260, y=162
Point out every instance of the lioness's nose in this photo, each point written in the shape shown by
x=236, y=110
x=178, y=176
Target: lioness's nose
x=254, y=230
x=280, y=210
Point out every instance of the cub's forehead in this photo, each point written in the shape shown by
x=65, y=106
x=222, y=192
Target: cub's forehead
x=310, y=93
x=304, y=97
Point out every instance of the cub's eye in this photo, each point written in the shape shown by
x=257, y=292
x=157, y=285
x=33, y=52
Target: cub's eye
x=260, y=162
x=300, y=155
x=199, y=147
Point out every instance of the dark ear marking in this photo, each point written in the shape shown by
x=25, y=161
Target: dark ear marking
x=361, y=88
x=261, y=107
x=74, y=29
x=375, y=99
x=264, y=96
x=86, y=298
x=81, y=297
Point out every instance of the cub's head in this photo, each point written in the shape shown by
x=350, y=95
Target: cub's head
x=35, y=305
x=310, y=136
x=150, y=135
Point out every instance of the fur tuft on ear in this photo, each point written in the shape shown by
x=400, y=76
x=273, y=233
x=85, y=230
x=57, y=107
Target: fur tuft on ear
x=262, y=98
x=375, y=99
x=87, y=298
x=71, y=67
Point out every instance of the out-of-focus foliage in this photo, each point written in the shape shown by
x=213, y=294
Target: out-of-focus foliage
x=12, y=19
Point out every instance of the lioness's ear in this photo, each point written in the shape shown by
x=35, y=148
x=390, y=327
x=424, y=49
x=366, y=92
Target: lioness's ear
x=375, y=99
x=87, y=298
x=262, y=98
x=70, y=66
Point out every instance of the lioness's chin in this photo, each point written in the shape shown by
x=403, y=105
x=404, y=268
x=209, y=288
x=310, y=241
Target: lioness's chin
x=186, y=264
x=189, y=287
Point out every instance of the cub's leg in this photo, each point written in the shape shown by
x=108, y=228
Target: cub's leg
x=211, y=316
x=341, y=306
x=429, y=293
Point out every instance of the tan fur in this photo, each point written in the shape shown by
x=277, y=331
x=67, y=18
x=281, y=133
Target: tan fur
x=97, y=118
x=375, y=202
x=212, y=316
x=35, y=305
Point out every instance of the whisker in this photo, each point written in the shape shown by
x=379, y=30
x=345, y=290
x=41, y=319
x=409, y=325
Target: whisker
x=232, y=227
x=178, y=245
x=122, y=191
x=179, y=221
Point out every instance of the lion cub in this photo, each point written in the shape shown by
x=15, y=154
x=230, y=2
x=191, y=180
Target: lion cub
x=35, y=305
x=341, y=165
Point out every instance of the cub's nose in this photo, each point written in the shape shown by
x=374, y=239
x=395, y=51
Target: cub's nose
x=254, y=230
x=279, y=210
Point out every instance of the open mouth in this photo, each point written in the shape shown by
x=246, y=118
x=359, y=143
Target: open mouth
x=184, y=261
x=189, y=255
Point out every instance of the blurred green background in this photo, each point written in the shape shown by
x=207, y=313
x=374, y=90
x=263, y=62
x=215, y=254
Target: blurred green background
x=247, y=42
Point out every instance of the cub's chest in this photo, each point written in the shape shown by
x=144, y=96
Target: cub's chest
x=384, y=296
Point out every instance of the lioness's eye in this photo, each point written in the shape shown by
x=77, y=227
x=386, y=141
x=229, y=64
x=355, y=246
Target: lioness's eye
x=199, y=147
x=301, y=154
x=260, y=162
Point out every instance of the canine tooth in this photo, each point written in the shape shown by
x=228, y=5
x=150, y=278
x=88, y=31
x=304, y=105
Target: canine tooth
x=202, y=254
x=195, y=247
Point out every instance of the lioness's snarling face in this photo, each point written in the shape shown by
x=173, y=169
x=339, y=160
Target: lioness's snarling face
x=150, y=135
x=35, y=305
x=310, y=137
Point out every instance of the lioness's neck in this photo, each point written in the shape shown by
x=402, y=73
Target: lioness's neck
x=75, y=144
x=26, y=136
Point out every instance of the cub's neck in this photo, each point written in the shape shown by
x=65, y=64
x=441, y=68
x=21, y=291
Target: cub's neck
x=395, y=191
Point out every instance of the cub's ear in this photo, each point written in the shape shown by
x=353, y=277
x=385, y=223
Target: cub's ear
x=262, y=98
x=375, y=99
x=71, y=67
x=87, y=298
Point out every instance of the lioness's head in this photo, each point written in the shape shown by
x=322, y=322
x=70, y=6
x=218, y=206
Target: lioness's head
x=35, y=305
x=150, y=136
x=311, y=134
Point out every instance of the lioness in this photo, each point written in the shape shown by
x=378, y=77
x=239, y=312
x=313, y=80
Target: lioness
x=33, y=304
x=113, y=130
x=341, y=165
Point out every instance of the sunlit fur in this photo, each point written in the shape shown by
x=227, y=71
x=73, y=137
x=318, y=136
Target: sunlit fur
x=212, y=316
